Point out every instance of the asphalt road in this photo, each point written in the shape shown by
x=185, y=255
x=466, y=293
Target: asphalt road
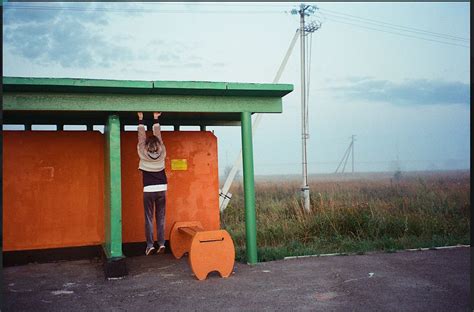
x=434, y=280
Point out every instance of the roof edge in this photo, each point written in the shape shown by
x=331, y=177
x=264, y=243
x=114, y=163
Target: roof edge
x=157, y=86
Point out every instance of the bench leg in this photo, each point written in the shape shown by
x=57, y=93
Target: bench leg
x=180, y=243
x=212, y=251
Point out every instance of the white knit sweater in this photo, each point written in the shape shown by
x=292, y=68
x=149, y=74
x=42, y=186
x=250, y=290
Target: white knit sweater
x=146, y=162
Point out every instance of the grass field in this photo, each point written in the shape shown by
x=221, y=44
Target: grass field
x=358, y=214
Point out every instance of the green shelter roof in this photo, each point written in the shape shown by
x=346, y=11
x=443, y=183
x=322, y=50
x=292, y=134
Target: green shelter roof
x=80, y=101
x=146, y=87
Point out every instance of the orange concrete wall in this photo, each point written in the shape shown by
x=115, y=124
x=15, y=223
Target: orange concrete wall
x=53, y=187
x=192, y=194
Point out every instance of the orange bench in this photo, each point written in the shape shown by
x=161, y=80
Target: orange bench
x=207, y=250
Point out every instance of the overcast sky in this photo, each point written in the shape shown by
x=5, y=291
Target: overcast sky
x=396, y=75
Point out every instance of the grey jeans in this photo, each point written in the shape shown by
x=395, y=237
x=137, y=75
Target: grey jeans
x=154, y=202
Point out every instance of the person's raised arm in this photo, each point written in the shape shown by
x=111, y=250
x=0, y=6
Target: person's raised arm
x=141, y=129
x=156, y=125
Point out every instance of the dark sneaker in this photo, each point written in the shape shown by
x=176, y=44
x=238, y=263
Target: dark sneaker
x=149, y=250
x=161, y=250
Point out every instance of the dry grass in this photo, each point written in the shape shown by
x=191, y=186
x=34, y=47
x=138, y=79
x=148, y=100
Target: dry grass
x=355, y=215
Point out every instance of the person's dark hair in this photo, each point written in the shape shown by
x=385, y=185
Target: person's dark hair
x=152, y=144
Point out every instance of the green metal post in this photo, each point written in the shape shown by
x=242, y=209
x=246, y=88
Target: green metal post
x=249, y=189
x=113, y=192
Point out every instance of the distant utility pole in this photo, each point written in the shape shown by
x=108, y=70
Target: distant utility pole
x=305, y=10
x=352, y=143
x=349, y=151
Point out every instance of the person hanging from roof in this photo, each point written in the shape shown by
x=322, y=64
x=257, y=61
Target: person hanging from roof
x=152, y=154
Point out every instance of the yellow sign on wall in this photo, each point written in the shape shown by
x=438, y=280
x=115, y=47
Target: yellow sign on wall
x=179, y=164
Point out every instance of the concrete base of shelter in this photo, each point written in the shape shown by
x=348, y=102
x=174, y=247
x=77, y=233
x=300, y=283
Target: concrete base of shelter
x=138, y=249
x=23, y=257
x=115, y=267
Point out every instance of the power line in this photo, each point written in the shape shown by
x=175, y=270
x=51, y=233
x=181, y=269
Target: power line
x=395, y=26
x=368, y=20
x=402, y=30
x=333, y=17
x=332, y=12
x=400, y=34
x=132, y=10
x=352, y=17
x=329, y=12
x=407, y=28
x=445, y=37
x=308, y=80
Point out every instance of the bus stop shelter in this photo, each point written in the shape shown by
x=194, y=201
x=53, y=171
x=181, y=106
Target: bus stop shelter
x=114, y=104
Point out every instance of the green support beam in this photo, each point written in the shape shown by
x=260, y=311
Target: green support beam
x=113, y=192
x=126, y=118
x=249, y=190
x=105, y=102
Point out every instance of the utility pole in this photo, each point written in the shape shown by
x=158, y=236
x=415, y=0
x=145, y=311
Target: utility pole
x=224, y=195
x=352, y=144
x=305, y=10
x=349, y=152
x=304, y=187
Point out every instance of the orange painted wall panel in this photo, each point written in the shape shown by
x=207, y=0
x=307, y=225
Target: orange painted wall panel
x=53, y=189
x=192, y=194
